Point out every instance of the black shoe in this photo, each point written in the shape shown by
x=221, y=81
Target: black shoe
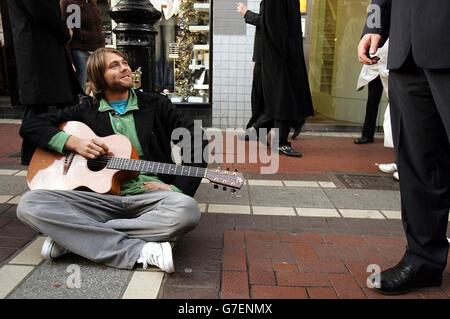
x=296, y=133
x=289, y=151
x=363, y=140
x=404, y=278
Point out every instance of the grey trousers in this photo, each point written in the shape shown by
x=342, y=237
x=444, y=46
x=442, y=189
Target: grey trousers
x=108, y=229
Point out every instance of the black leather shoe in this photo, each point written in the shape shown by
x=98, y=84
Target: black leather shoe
x=363, y=140
x=296, y=133
x=403, y=278
x=289, y=151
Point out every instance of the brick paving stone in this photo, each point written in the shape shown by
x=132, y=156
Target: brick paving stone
x=204, y=279
x=196, y=264
x=307, y=238
x=349, y=253
x=326, y=252
x=261, y=263
x=391, y=253
x=302, y=279
x=335, y=267
x=371, y=254
x=234, y=238
x=286, y=267
x=5, y=253
x=262, y=236
x=234, y=259
x=15, y=243
x=4, y=221
x=446, y=285
x=279, y=252
x=344, y=239
x=304, y=252
x=372, y=294
x=321, y=293
x=343, y=282
x=260, y=276
x=17, y=232
x=385, y=240
x=277, y=292
x=350, y=294
x=433, y=293
x=235, y=285
x=4, y=208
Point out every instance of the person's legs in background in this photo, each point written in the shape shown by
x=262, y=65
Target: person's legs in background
x=80, y=58
x=373, y=101
x=283, y=132
x=297, y=128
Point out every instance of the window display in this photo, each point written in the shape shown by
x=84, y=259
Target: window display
x=184, y=65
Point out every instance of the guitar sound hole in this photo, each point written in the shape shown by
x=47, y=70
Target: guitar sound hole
x=97, y=164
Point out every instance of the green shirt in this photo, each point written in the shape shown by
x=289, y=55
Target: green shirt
x=124, y=125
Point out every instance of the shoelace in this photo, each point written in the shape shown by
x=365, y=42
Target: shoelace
x=149, y=255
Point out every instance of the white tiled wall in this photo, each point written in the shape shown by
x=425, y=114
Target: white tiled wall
x=233, y=73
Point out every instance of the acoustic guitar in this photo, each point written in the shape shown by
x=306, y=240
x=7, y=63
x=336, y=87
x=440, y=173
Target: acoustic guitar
x=105, y=174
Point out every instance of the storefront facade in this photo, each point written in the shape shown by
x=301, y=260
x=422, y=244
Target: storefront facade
x=204, y=59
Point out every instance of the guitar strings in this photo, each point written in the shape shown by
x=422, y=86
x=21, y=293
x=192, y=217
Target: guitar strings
x=105, y=160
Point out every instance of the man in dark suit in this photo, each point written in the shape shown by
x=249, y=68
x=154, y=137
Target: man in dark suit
x=419, y=63
x=45, y=75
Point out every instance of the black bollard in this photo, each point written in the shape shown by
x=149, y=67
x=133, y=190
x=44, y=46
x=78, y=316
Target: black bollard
x=135, y=36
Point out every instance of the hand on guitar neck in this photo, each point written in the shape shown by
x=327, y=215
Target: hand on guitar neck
x=88, y=148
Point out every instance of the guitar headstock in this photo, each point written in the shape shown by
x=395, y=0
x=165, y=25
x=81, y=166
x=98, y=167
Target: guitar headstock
x=233, y=180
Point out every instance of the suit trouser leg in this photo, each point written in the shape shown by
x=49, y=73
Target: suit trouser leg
x=108, y=229
x=373, y=102
x=420, y=104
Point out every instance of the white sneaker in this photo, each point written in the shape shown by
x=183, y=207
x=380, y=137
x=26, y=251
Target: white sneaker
x=388, y=168
x=51, y=249
x=396, y=176
x=157, y=254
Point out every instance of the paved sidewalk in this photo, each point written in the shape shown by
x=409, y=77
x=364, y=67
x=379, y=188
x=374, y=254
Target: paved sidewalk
x=309, y=231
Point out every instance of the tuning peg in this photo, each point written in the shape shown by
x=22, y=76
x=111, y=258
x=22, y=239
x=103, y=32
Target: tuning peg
x=216, y=186
x=228, y=169
x=224, y=188
x=236, y=170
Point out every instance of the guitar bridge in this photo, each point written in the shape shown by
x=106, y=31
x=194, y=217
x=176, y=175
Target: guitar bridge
x=67, y=162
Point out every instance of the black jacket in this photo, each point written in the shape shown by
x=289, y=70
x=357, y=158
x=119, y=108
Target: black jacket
x=418, y=26
x=155, y=120
x=256, y=20
x=45, y=74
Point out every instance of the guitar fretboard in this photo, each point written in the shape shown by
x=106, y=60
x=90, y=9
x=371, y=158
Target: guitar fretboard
x=155, y=167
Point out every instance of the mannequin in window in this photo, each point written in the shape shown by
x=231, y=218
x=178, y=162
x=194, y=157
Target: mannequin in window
x=164, y=79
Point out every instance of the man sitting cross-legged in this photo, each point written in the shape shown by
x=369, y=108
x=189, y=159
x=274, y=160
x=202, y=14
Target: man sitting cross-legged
x=135, y=227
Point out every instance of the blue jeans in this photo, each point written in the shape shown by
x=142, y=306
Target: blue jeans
x=80, y=58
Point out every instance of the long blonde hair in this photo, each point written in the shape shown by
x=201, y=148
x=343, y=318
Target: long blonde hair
x=96, y=68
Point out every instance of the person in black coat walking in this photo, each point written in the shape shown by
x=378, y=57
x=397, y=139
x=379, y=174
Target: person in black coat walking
x=45, y=74
x=419, y=80
x=284, y=76
x=259, y=119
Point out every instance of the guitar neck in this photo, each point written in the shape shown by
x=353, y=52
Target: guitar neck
x=149, y=167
